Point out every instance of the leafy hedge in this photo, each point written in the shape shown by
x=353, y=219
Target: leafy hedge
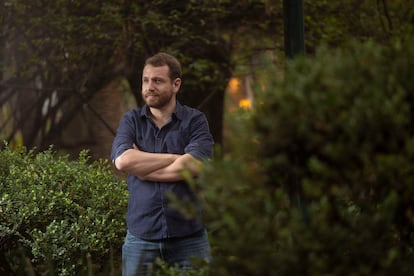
x=321, y=178
x=66, y=216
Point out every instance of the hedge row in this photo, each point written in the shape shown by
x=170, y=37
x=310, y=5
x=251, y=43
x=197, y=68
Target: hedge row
x=61, y=215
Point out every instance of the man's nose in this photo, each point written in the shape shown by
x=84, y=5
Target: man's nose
x=150, y=85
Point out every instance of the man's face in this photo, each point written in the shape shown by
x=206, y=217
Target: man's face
x=157, y=88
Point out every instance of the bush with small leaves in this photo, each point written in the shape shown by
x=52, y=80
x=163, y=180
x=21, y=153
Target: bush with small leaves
x=59, y=211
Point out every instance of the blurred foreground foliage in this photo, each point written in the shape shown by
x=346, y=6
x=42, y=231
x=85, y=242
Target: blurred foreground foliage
x=320, y=180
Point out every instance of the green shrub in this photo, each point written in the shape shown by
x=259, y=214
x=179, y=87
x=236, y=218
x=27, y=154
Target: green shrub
x=334, y=136
x=61, y=214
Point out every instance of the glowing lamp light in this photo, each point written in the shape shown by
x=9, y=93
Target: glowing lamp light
x=245, y=104
x=234, y=85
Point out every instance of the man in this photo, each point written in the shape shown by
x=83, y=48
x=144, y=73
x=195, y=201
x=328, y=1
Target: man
x=155, y=144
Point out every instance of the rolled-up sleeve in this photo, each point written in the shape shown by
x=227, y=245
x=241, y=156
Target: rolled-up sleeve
x=201, y=141
x=125, y=136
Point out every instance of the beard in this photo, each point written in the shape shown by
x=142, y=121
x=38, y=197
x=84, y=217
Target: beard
x=157, y=100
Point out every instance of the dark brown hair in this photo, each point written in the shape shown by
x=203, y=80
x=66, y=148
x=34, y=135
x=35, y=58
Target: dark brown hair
x=162, y=59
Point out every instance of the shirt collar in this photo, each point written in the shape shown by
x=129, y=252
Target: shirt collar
x=178, y=113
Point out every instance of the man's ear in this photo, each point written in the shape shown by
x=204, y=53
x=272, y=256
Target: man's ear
x=177, y=83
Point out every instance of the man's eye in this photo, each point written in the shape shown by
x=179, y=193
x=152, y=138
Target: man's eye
x=157, y=81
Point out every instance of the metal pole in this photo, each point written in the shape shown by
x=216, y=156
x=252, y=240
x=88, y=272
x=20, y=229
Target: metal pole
x=293, y=26
x=294, y=45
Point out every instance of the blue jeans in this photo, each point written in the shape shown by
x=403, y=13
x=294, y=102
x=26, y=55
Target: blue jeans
x=138, y=255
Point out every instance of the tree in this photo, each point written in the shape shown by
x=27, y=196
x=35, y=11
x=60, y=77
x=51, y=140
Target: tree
x=337, y=130
x=59, y=58
x=66, y=66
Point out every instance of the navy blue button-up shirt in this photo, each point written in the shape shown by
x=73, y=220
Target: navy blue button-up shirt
x=149, y=215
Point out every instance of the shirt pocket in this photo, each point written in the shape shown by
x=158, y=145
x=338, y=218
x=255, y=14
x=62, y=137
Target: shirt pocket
x=144, y=144
x=176, y=141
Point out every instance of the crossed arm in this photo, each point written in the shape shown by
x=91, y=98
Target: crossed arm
x=157, y=166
